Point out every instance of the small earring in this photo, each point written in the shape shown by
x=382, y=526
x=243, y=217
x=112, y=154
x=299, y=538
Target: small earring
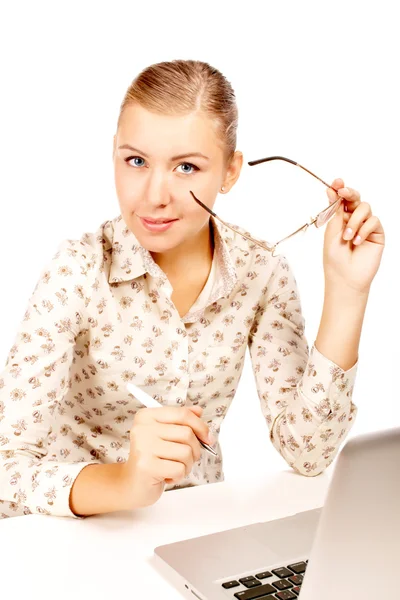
x=223, y=188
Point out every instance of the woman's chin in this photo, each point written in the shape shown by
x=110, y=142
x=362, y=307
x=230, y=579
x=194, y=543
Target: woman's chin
x=155, y=243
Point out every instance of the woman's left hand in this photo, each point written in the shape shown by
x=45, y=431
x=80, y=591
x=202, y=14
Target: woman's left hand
x=352, y=264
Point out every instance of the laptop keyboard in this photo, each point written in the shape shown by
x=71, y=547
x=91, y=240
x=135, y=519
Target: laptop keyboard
x=283, y=583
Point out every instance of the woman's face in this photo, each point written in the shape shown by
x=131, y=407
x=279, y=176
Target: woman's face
x=153, y=181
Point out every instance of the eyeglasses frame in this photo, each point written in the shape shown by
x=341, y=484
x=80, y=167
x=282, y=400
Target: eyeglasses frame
x=317, y=221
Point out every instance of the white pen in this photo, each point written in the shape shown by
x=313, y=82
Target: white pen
x=149, y=402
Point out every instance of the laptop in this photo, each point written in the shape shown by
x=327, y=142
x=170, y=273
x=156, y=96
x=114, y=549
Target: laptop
x=349, y=548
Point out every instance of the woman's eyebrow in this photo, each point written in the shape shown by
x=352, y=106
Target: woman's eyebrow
x=178, y=157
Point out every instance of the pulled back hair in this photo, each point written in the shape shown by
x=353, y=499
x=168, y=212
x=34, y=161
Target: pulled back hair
x=181, y=87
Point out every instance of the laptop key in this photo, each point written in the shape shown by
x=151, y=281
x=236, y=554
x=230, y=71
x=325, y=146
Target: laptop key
x=287, y=595
x=298, y=568
x=282, y=584
x=257, y=592
x=250, y=581
x=230, y=584
x=264, y=575
x=282, y=572
x=296, y=579
x=296, y=590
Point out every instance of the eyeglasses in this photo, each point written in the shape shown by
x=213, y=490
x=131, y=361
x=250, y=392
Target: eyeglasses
x=319, y=221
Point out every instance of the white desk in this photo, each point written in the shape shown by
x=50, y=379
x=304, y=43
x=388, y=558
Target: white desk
x=111, y=556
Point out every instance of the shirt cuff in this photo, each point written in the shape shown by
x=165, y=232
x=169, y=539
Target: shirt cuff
x=322, y=358
x=325, y=383
x=56, y=497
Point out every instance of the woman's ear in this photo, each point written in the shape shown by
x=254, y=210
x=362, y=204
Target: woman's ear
x=233, y=170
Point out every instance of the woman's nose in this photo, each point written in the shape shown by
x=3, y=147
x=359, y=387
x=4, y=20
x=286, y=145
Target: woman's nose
x=158, y=190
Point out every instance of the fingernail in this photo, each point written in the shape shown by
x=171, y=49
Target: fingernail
x=348, y=234
x=343, y=190
x=357, y=240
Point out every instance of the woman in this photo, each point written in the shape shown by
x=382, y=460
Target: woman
x=172, y=307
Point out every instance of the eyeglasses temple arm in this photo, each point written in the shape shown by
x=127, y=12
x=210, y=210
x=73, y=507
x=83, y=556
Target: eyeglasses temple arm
x=294, y=232
x=261, y=160
x=268, y=248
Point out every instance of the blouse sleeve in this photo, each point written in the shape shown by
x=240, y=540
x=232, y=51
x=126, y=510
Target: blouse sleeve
x=34, y=382
x=305, y=398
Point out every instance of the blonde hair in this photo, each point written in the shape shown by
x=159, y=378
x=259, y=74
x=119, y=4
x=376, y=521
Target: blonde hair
x=180, y=87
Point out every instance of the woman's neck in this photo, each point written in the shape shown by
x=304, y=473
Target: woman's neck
x=188, y=257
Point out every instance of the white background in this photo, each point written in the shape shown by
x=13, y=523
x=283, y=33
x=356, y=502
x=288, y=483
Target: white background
x=316, y=82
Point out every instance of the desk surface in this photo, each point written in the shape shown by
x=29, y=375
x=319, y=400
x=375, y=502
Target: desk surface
x=111, y=556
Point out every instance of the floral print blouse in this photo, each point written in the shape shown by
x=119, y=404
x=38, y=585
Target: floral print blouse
x=101, y=316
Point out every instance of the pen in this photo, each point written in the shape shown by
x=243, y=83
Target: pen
x=149, y=402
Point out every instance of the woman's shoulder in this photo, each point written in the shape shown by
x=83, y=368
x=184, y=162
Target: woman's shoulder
x=82, y=257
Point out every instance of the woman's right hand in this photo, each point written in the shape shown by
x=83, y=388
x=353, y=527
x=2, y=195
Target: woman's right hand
x=163, y=448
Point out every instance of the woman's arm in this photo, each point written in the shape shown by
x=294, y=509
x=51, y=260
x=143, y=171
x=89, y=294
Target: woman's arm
x=101, y=489
x=305, y=397
x=340, y=329
x=33, y=385
x=354, y=241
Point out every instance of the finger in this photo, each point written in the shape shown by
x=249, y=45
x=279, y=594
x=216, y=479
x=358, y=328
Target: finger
x=182, y=416
x=337, y=183
x=145, y=415
x=357, y=218
x=174, y=451
x=350, y=195
x=332, y=195
x=370, y=230
x=169, y=470
x=181, y=434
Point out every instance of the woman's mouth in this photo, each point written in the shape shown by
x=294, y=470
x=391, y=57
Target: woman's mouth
x=157, y=224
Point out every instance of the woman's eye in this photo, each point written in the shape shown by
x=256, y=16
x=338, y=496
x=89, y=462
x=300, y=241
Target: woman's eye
x=128, y=160
x=189, y=165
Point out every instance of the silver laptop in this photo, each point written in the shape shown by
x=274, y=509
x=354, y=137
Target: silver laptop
x=349, y=548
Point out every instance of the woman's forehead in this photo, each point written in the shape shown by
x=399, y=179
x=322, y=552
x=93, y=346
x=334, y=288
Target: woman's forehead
x=186, y=133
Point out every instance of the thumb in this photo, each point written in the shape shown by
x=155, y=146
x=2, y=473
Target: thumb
x=332, y=191
x=196, y=409
x=336, y=223
x=332, y=195
x=339, y=215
